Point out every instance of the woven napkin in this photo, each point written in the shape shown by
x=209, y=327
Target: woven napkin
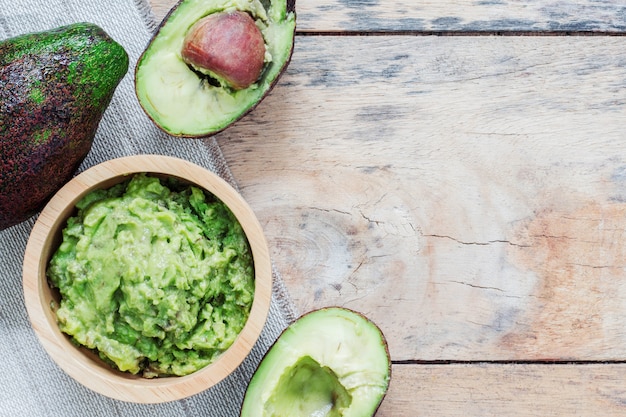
x=30, y=383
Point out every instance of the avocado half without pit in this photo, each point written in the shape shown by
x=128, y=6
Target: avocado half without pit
x=212, y=61
x=332, y=362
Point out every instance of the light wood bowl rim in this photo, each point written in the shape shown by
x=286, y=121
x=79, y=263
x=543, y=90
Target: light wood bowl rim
x=85, y=367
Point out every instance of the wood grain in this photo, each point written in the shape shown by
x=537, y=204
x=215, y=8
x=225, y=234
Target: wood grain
x=466, y=16
x=454, y=189
x=520, y=390
x=466, y=193
x=453, y=15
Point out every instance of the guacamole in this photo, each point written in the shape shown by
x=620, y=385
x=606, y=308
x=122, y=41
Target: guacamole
x=155, y=276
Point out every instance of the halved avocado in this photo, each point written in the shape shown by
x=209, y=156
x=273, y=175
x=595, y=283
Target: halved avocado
x=187, y=101
x=332, y=362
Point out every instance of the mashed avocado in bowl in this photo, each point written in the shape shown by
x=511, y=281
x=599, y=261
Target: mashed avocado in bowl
x=155, y=276
x=147, y=278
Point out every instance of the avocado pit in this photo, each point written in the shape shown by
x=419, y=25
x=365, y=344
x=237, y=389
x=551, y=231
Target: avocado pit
x=228, y=46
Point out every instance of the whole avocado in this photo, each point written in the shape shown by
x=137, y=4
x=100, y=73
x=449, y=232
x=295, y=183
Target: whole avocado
x=54, y=89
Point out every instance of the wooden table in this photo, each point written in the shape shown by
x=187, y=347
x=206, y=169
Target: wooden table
x=462, y=182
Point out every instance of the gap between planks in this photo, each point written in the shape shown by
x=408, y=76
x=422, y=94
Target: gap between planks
x=458, y=33
x=508, y=362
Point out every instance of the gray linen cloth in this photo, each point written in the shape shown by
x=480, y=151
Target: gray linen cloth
x=30, y=383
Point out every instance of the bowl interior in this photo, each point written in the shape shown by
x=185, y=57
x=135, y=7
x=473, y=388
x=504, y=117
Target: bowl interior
x=85, y=365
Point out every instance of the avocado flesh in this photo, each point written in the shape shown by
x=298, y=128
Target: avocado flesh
x=56, y=86
x=308, y=389
x=331, y=362
x=182, y=101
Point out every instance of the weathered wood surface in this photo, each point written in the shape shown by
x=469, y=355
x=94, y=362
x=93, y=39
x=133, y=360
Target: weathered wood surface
x=449, y=15
x=486, y=390
x=466, y=193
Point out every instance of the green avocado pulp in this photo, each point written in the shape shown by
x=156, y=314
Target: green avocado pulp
x=308, y=389
x=155, y=276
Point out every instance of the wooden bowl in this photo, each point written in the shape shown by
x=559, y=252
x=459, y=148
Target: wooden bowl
x=81, y=363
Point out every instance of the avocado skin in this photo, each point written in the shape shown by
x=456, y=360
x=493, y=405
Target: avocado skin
x=54, y=89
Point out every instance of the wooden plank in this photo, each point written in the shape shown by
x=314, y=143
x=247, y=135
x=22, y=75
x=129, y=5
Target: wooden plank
x=488, y=15
x=478, y=390
x=451, y=15
x=465, y=193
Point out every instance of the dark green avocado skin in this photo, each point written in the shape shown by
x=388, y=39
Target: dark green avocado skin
x=54, y=89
